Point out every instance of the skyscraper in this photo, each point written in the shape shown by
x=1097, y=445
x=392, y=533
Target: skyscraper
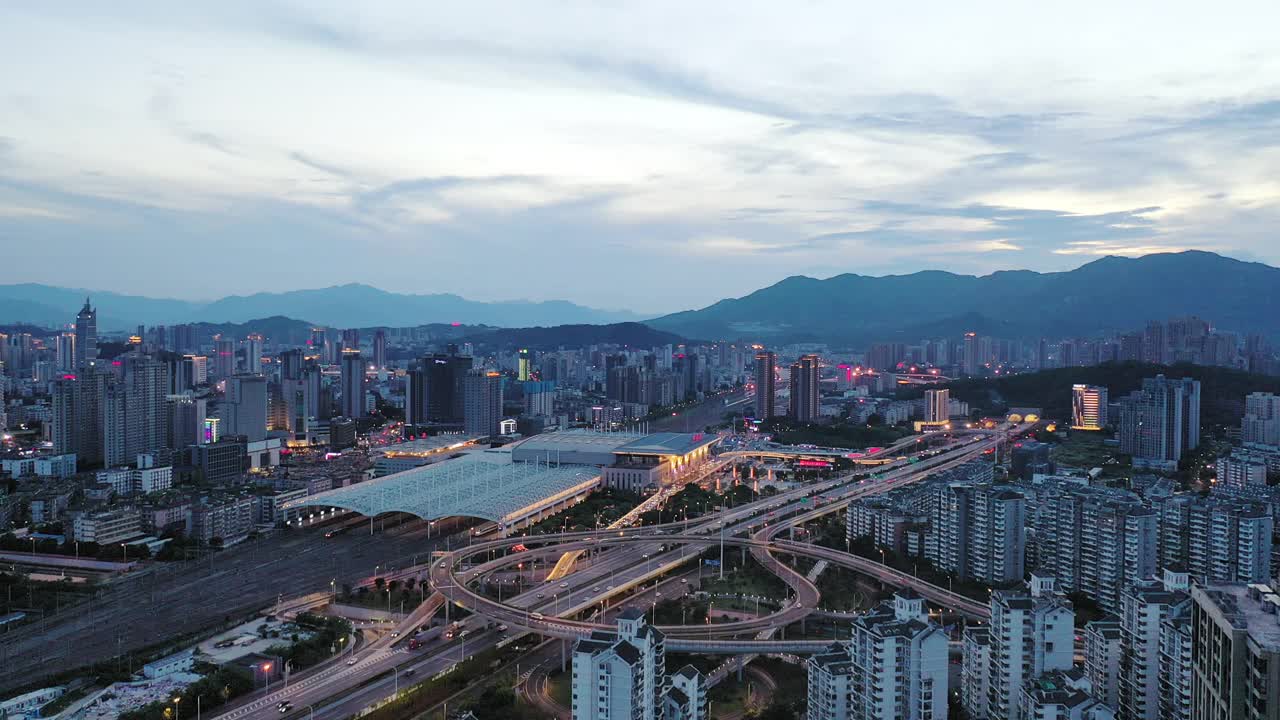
x=253, y=354
x=352, y=378
x=524, y=365
x=804, y=389
x=65, y=352
x=86, y=337
x=766, y=390
x=972, y=354
x=482, y=393
x=244, y=409
x=937, y=405
x=435, y=389
x=380, y=350
x=1148, y=606
x=1160, y=422
x=1088, y=407
x=224, y=358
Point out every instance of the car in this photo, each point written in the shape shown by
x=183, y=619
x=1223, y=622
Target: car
x=285, y=707
x=351, y=662
x=536, y=616
x=540, y=596
x=595, y=589
x=684, y=581
x=410, y=671
x=502, y=628
x=564, y=585
x=658, y=593
x=395, y=633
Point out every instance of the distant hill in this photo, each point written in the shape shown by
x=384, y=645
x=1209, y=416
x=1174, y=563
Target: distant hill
x=1109, y=294
x=630, y=334
x=352, y=305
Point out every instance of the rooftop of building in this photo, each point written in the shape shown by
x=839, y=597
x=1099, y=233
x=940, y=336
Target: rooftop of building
x=669, y=443
x=423, y=446
x=1253, y=608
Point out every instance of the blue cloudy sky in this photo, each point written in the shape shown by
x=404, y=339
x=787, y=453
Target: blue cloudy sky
x=651, y=156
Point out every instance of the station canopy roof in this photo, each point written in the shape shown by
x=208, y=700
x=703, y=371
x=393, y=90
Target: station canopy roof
x=492, y=486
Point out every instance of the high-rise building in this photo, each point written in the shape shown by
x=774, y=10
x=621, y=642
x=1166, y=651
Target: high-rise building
x=186, y=416
x=1088, y=407
x=1216, y=539
x=1160, y=422
x=482, y=398
x=380, y=350
x=1235, y=651
x=76, y=412
x=435, y=389
x=896, y=667
x=184, y=338
x=1261, y=424
x=686, y=698
x=253, y=354
x=224, y=358
x=244, y=409
x=1148, y=607
x=352, y=378
x=539, y=398
x=1103, y=656
x=135, y=418
x=766, y=388
x=524, y=365
x=977, y=532
x=805, y=404
x=86, y=335
x=973, y=360
x=65, y=352
x=937, y=405
x=351, y=339
x=620, y=674
x=1031, y=632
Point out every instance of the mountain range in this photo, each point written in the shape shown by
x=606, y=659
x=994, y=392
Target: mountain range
x=352, y=305
x=1111, y=294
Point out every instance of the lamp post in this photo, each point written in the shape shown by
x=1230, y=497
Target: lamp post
x=177, y=699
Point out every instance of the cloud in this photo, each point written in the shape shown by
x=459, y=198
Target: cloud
x=477, y=147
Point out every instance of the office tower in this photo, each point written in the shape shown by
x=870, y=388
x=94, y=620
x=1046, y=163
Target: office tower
x=524, y=365
x=380, y=350
x=977, y=532
x=937, y=406
x=620, y=674
x=135, y=418
x=244, y=409
x=415, y=396
x=766, y=390
x=1088, y=407
x=972, y=358
x=539, y=398
x=896, y=667
x=1031, y=633
x=224, y=358
x=1235, y=652
x=65, y=352
x=1103, y=656
x=352, y=378
x=1239, y=470
x=76, y=413
x=351, y=339
x=290, y=363
x=805, y=405
x=86, y=335
x=445, y=375
x=1160, y=422
x=482, y=402
x=1261, y=424
x=253, y=354
x=1148, y=608
x=186, y=415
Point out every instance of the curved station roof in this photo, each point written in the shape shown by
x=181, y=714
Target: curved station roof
x=491, y=486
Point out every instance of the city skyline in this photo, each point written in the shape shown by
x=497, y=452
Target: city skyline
x=766, y=145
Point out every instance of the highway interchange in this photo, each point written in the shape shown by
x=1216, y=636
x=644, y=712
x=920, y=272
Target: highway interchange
x=624, y=561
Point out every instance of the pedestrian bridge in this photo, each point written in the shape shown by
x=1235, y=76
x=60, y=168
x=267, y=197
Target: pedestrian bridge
x=490, y=486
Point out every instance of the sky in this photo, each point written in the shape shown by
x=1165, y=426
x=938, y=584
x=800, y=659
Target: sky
x=649, y=156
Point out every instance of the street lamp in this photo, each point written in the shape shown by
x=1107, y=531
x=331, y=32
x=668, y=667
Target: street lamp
x=177, y=699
